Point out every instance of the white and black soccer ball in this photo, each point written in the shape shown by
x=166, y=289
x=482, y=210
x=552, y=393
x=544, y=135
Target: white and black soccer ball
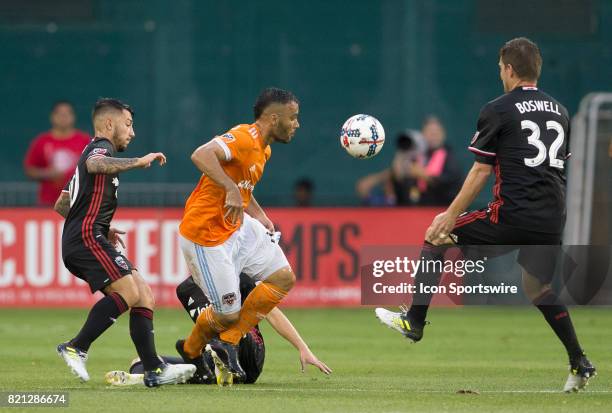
x=362, y=136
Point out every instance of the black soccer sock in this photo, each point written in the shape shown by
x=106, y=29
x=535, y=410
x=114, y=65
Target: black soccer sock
x=192, y=297
x=102, y=315
x=141, y=331
x=557, y=316
x=427, y=276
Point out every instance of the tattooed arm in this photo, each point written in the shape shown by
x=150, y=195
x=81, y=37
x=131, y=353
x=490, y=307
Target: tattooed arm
x=62, y=205
x=110, y=166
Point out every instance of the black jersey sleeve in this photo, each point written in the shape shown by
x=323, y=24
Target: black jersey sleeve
x=484, y=142
x=100, y=148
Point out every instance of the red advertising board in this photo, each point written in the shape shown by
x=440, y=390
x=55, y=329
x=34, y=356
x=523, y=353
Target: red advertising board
x=322, y=245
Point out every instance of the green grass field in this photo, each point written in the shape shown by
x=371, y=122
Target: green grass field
x=507, y=354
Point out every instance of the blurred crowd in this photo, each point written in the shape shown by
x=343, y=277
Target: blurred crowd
x=423, y=172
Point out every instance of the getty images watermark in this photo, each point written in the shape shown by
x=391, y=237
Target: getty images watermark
x=483, y=274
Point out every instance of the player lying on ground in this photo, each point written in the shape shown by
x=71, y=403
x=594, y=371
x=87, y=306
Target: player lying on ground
x=219, y=241
x=251, y=349
x=89, y=247
x=523, y=136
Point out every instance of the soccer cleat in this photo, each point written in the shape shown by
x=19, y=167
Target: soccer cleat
x=223, y=374
x=203, y=374
x=75, y=359
x=228, y=354
x=581, y=370
x=401, y=322
x=123, y=378
x=169, y=374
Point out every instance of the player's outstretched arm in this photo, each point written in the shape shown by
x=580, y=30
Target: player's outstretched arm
x=62, y=205
x=285, y=329
x=109, y=166
x=207, y=159
x=443, y=223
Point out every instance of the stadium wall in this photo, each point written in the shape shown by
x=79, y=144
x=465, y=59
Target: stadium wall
x=192, y=69
x=323, y=246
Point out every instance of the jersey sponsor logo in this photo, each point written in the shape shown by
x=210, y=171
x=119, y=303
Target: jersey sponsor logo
x=246, y=184
x=537, y=106
x=98, y=151
x=121, y=262
x=228, y=137
x=229, y=299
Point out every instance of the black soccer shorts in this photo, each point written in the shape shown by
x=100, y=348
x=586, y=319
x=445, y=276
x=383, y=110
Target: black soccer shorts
x=538, y=251
x=98, y=263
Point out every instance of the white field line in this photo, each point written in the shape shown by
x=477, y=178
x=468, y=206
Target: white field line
x=349, y=390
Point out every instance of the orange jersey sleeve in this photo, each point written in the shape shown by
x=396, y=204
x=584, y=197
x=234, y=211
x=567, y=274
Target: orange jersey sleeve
x=245, y=157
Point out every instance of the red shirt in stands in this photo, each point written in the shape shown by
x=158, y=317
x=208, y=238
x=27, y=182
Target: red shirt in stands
x=46, y=151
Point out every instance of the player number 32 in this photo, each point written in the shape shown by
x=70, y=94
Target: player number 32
x=534, y=139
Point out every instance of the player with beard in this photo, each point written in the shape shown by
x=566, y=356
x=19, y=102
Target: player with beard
x=89, y=247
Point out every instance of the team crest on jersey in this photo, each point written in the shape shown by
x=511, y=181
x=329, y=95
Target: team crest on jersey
x=228, y=137
x=229, y=299
x=121, y=262
x=474, y=137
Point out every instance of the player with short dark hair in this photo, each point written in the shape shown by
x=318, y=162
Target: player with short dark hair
x=523, y=137
x=271, y=96
x=89, y=246
x=225, y=232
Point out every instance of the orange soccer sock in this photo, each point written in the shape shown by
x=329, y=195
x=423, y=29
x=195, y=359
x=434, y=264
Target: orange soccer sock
x=206, y=327
x=257, y=305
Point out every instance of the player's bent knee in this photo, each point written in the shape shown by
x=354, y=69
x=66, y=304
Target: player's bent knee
x=127, y=288
x=534, y=288
x=283, y=279
x=146, y=299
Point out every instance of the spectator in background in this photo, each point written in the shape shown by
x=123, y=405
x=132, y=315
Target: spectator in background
x=423, y=171
x=303, y=191
x=52, y=156
x=393, y=186
x=437, y=172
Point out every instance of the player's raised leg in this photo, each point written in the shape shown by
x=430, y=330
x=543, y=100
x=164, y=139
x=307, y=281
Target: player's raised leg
x=411, y=322
x=264, y=297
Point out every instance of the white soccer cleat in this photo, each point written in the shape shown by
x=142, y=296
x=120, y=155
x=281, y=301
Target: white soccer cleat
x=75, y=359
x=581, y=371
x=169, y=374
x=123, y=378
x=401, y=322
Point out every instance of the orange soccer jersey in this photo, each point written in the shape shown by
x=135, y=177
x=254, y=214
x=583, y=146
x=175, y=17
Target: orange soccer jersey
x=245, y=157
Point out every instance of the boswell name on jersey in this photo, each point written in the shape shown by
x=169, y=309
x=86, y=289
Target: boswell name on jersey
x=537, y=106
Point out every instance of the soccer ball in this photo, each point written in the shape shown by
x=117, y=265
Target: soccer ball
x=362, y=136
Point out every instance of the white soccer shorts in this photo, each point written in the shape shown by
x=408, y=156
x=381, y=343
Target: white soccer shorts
x=216, y=270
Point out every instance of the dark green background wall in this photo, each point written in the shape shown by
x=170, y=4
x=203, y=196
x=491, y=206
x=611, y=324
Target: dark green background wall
x=193, y=68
